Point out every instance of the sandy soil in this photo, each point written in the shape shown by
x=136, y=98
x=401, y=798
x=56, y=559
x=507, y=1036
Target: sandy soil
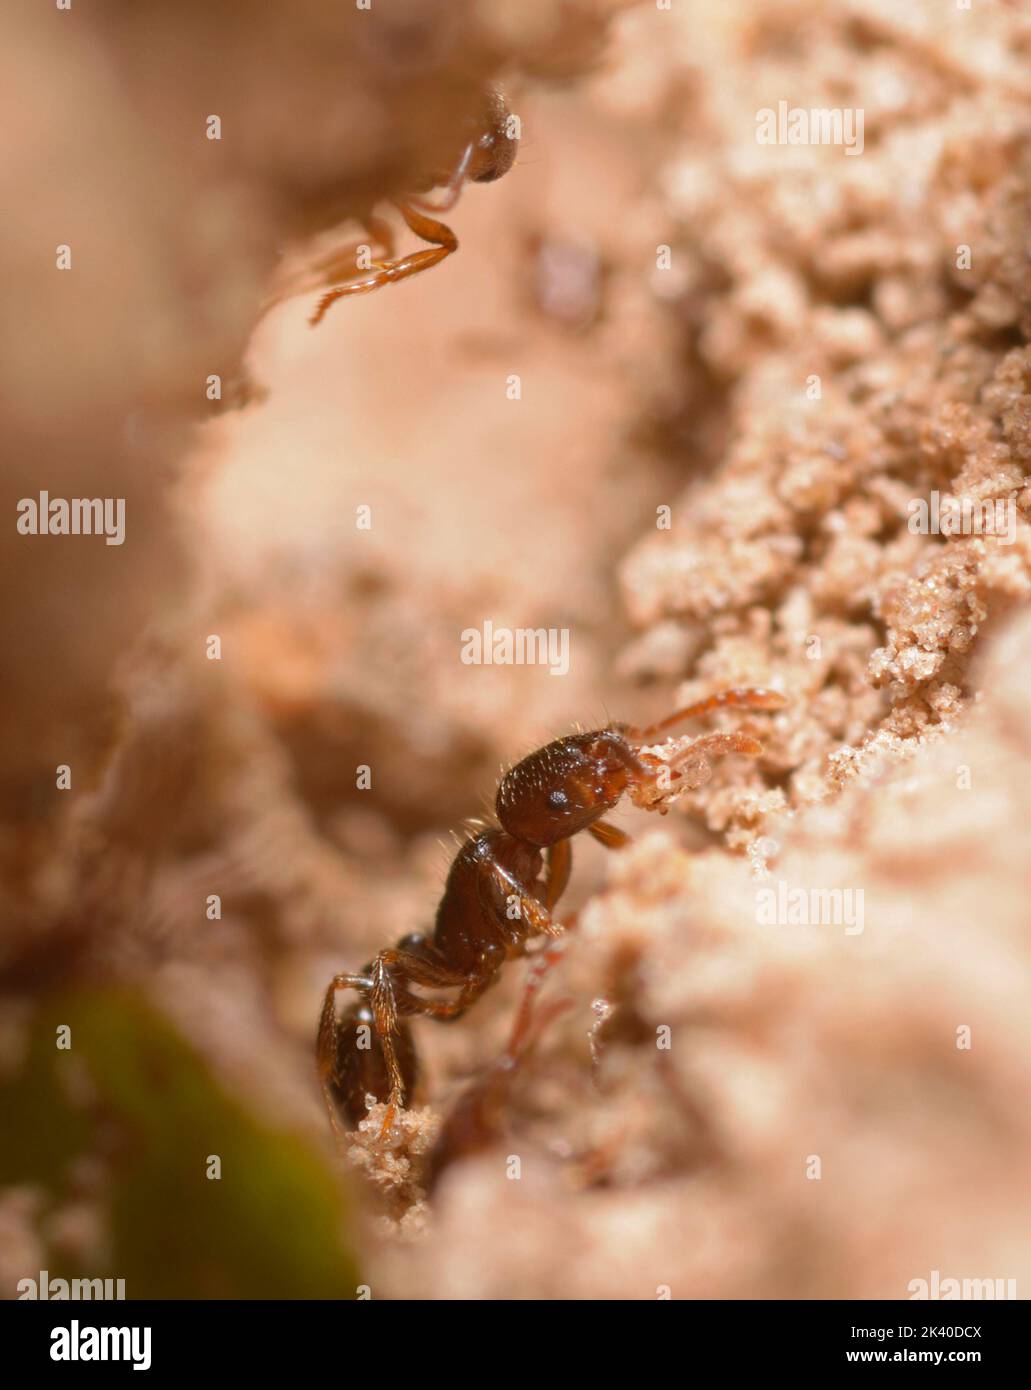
x=778, y=350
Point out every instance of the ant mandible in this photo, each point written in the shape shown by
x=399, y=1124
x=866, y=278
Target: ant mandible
x=502, y=891
x=489, y=153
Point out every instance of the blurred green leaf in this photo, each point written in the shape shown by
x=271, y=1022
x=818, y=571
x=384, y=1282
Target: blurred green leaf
x=273, y=1226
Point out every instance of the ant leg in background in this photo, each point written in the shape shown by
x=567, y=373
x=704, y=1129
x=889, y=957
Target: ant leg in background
x=454, y=185
x=541, y=963
x=477, y=1117
x=444, y=244
x=338, y=264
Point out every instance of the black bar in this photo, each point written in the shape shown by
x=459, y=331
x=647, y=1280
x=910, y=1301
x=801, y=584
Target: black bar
x=404, y=1340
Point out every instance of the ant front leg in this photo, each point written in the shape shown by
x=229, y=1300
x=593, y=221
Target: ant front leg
x=748, y=697
x=609, y=835
x=556, y=877
x=502, y=891
x=652, y=784
x=686, y=761
x=444, y=243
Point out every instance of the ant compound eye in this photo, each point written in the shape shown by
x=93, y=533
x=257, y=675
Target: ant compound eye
x=558, y=800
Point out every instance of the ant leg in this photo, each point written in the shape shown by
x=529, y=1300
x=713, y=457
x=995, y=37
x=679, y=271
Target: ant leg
x=331, y=267
x=454, y=185
x=540, y=964
x=560, y=866
x=692, y=766
x=419, y=970
x=326, y=1045
x=748, y=697
x=384, y=1014
x=477, y=1118
x=338, y=264
x=498, y=888
x=609, y=835
x=651, y=780
x=391, y=969
x=444, y=243
x=442, y=1009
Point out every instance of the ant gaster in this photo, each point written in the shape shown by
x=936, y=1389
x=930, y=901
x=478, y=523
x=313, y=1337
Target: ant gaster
x=502, y=891
x=489, y=153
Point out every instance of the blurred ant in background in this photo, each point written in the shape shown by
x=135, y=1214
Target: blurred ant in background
x=489, y=153
x=502, y=891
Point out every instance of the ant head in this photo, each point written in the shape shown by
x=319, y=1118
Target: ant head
x=495, y=151
x=563, y=788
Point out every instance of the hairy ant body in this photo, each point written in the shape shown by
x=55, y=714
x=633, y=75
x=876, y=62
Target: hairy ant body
x=489, y=153
x=502, y=891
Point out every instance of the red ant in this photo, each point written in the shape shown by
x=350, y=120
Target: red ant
x=496, y=900
x=489, y=154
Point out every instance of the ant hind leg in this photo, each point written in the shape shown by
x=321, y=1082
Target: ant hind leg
x=328, y=1037
x=392, y=971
